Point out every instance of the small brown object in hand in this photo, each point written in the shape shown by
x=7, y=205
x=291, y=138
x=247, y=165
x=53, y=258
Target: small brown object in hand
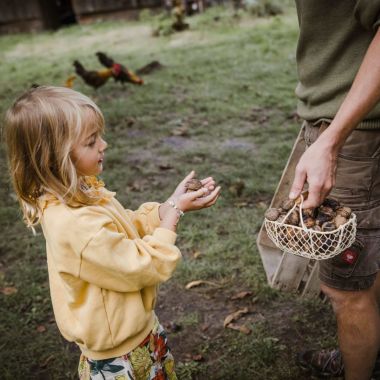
x=193, y=185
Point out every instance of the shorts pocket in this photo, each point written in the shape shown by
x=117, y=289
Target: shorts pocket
x=354, y=178
x=344, y=264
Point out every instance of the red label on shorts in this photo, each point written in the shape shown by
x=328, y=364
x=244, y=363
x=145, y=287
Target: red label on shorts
x=349, y=256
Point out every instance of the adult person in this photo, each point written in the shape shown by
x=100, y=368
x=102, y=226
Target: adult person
x=338, y=62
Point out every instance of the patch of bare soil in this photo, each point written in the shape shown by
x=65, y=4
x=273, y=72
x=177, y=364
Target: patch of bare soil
x=212, y=305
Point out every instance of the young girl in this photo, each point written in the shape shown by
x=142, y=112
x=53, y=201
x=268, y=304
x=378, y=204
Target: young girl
x=104, y=261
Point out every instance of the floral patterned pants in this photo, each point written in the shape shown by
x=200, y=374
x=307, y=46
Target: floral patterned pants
x=151, y=360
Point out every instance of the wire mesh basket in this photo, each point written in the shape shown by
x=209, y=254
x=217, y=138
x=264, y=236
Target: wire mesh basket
x=302, y=241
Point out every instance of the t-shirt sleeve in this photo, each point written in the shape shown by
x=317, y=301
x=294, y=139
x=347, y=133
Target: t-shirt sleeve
x=367, y=12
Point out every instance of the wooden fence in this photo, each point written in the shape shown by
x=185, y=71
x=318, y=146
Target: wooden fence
x=33, y=15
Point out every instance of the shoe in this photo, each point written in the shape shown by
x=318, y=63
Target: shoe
x=322, y=363
x=327, y=363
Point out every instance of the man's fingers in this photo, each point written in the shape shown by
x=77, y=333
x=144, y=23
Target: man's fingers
x=298, y=183
x=314, y=198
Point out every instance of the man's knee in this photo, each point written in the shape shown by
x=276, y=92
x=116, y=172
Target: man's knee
x=349, y=301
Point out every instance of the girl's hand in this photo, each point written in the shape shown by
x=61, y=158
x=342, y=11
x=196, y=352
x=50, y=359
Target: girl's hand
x=194, y=200
x=207, y=183
x=197, y=200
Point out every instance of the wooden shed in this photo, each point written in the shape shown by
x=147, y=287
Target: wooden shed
x=35, y=15
x=90, y=10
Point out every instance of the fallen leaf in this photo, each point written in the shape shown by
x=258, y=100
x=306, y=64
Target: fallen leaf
x=197, y=357
x=41, y=328
x=237, y=188
x=241, y=204
x=180, y=131
x=165, y=166
x=193, y=357
x=241, y=295
x=9, y=290
x=262, y=205
x=172, y=327
x=47, y=361
x=234, y=316
x=205, y=327
x=130, y=121
x=195, y=283
x=197, y=159
x=242, y=328
x=196, y=254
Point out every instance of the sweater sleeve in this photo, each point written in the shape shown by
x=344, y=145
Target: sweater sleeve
x=112, y=261
x=146, y=218
x=367, y=12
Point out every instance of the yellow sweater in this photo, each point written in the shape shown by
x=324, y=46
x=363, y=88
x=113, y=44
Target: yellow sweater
x=104, y=265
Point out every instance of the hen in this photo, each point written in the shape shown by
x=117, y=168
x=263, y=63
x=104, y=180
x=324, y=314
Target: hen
x=94, y=78
x=119, y=72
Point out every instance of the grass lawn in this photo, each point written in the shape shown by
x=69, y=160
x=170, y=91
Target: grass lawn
x=223, y=105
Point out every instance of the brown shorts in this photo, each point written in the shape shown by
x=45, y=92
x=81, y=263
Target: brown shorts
x=358, y=187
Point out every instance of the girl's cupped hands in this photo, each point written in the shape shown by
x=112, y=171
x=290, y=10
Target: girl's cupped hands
x=206, y=196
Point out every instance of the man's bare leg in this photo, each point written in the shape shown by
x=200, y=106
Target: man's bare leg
x=358, y=322
x=377, y=288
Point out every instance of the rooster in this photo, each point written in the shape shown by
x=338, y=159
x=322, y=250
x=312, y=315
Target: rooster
x=94, y=78
x=119, y=72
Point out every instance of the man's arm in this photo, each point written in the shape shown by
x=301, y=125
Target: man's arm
x=317, y=165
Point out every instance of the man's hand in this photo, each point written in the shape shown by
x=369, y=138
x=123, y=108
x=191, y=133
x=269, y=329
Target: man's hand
x=317, y=167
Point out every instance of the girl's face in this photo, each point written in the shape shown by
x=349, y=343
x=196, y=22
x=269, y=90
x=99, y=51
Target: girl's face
x=88, y=153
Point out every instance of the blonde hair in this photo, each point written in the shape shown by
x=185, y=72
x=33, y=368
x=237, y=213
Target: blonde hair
x=41, y=128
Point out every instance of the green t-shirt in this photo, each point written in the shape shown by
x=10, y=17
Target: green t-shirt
x=334, y=37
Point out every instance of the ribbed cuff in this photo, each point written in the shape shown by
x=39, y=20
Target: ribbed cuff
x=165, y=235
x=155, y=221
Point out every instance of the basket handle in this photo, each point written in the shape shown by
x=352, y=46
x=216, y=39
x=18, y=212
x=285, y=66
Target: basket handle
x=300, y=212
